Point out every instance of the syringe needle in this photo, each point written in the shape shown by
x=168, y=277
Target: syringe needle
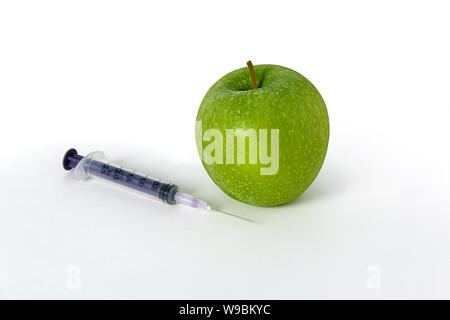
x=233, y=215
x=194, y=202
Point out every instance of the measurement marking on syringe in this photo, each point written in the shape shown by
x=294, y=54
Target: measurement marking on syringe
x=129, y=177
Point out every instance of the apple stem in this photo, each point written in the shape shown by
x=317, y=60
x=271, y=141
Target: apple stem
x=252, y=74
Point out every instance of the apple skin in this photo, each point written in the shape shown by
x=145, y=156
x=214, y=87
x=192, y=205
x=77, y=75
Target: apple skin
x=284, y=100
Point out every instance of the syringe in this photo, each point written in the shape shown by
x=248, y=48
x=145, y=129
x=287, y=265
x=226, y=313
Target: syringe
x=95, y=165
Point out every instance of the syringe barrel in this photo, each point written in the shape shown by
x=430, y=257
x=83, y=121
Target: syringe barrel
x=95, y=165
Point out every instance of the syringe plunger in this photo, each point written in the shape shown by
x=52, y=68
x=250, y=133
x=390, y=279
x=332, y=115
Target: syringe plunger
x=95, y=165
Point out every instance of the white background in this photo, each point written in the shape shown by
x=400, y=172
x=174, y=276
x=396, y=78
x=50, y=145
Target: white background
x=127, y=77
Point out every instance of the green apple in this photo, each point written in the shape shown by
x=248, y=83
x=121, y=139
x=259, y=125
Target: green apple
x=262, y=134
